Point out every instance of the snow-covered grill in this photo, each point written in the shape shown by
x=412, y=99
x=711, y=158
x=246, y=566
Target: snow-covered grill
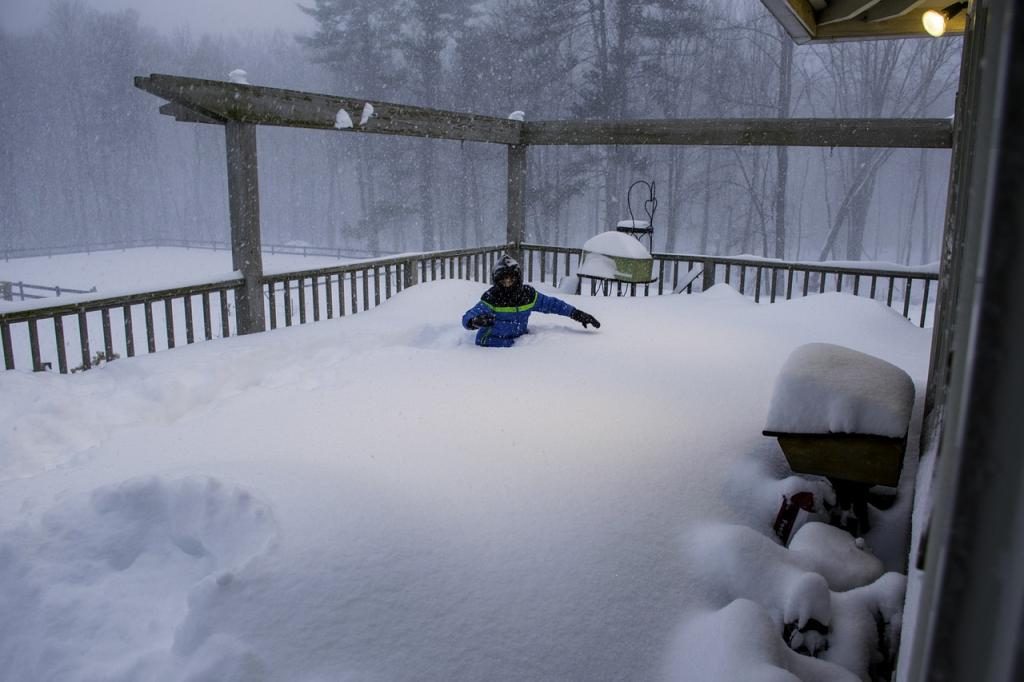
x=616, y=257
x=844, y=415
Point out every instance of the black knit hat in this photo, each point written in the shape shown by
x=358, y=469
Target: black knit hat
x=506, y=266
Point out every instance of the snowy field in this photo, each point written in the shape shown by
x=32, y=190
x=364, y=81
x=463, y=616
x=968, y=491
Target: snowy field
x=146, y=269
x=376, y=498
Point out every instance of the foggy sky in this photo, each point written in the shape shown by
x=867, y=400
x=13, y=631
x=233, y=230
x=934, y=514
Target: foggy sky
x=215, y=16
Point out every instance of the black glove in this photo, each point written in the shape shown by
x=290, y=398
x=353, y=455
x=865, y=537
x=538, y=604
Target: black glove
x=481, y=320
x=585, y=319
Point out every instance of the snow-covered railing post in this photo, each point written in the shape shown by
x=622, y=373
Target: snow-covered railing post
x=244, y=203
x=516, y=227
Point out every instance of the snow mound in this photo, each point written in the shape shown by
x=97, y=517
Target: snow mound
x=367, y=113
x=97, y=584
x=617, y=245
x=742, y=642
x=834, y=554
x=342, y=120
x=824, y=388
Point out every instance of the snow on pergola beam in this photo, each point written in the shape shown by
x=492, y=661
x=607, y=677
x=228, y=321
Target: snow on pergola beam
x=204, y=101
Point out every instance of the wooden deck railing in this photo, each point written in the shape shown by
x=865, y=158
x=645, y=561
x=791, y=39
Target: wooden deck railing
x=324, y=293
x=150, y=311
x=36, y=336
x=907, y=290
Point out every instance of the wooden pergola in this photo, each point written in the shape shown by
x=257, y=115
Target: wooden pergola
x=242, y=107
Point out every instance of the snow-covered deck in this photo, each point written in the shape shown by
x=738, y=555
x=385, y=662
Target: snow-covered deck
x=376, y=498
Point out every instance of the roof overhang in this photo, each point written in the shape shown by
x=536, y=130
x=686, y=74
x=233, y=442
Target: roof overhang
x=832, y=20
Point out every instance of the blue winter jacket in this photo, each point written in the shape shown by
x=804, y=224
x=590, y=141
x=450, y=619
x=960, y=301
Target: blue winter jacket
x=511, y=315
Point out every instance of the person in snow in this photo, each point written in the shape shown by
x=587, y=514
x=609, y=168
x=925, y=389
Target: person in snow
x=504, y=310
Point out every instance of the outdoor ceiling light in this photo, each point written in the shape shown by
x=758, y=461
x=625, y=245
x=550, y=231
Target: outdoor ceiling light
x=935, y=20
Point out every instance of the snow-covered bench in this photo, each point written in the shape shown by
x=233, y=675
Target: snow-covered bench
x=842, y=414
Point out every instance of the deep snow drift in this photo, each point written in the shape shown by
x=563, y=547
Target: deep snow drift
x=376, y=498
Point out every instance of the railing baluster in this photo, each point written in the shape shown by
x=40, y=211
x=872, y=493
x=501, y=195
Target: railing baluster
x=316, y=298
x=451, y=268
x=301, y=290
x=433, y=270
x=129, y=330
x=807, y=281
x=743, y=279
x=33, y=342
x=366, y=286
x=83, y=339
x=856, y=285
x=543, y=267
x=150, y=332
x=169, y=321
x=190, y=332
x=789, y=282
x=387, y=279
x=874, y=281
x=272, y=300
x=207, y=317
x=376, y=283
x=341, y=294
x=287, y=303
x=821, y=283
x=62, y=353
x=352, y=292
x=839, y=282
x=225, y=315
x=924, y=303
x=774, y=274
x=675, y=275
x=906, y=298
x=330, y=297
x=5, y=340
x=108, y=338
x=888, y=297
x=757, y=285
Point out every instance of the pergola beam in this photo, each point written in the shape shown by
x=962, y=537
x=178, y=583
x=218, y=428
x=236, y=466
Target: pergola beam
x=794, y=132
x=258, y=105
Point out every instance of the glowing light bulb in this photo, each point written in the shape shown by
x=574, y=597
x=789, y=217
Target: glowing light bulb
x=934, y=22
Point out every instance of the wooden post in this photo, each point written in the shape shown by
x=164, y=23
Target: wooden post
x=709, y=275
x=409, y=273
x=244, y=203
x=516, y=198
